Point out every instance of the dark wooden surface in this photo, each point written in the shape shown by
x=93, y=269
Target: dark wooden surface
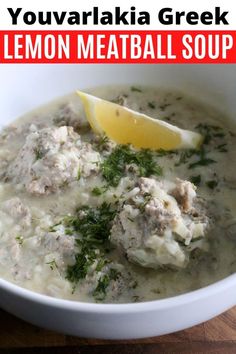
x=215, y=336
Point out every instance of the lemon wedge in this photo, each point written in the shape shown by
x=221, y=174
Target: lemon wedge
x=125, y=126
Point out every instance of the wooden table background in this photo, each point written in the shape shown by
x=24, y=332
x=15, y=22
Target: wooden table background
x=215, y=336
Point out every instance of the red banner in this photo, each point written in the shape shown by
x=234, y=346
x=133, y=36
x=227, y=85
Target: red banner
x=118, y=47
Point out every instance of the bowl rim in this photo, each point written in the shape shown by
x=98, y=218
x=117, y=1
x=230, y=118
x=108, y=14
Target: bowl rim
x=125, y=308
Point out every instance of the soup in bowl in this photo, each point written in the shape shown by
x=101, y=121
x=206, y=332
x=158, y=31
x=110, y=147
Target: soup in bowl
x=107, y=233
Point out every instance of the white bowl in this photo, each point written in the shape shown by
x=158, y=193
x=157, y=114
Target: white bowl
x=25, y=86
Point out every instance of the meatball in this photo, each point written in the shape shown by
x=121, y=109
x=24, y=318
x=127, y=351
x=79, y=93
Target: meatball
x=68, y=115
x=155, y=229
x=184, y=193
x=51, y=158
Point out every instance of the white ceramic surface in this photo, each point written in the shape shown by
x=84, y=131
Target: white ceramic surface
x=25, y=86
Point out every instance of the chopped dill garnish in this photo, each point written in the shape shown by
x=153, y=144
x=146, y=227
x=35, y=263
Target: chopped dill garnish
x=196, y=180
x=134, y=285
x=38, y=154
x=162, y=152
x=93, y=224
x=68, y=232
x=113, y=167
x=93, y=228
x=164, y=106
x=219, y=135
x=19, y=239
x=212, y=184
x=102, y=141
x=97, y=191
x=222, y=147
x=103, y=283
x=147, y=198
x=185, y=156
x=147, y=166
x=79, y=270
x=52, y=228
x=204, y=161
x=135, y=298
x=151, y=105
x=53, y=265
x=135, y=89
x=79, y=174
x=101, y=263
x=131, y=220
x=209, y=132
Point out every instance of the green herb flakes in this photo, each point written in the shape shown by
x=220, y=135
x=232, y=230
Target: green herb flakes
x=97, y=191
x=210, y=132
x=113, y=167
x=52, y=228
x=162, y=152
x=212, y=184
x=53, y=265
x=79, y=174
x=103, y=283
x=135, y=89
x=164, y=106
x=222, y=148
x=79, y=270
x=102, y=142
x=196, y=180
x=151, y=105
x=185, y=156
x=19, y=239
x=201, y=162
x=147, y=198
x=92, y=225
x=38, y=154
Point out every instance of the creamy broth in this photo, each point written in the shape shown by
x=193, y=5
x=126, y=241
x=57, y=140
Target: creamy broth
x=51, y=167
